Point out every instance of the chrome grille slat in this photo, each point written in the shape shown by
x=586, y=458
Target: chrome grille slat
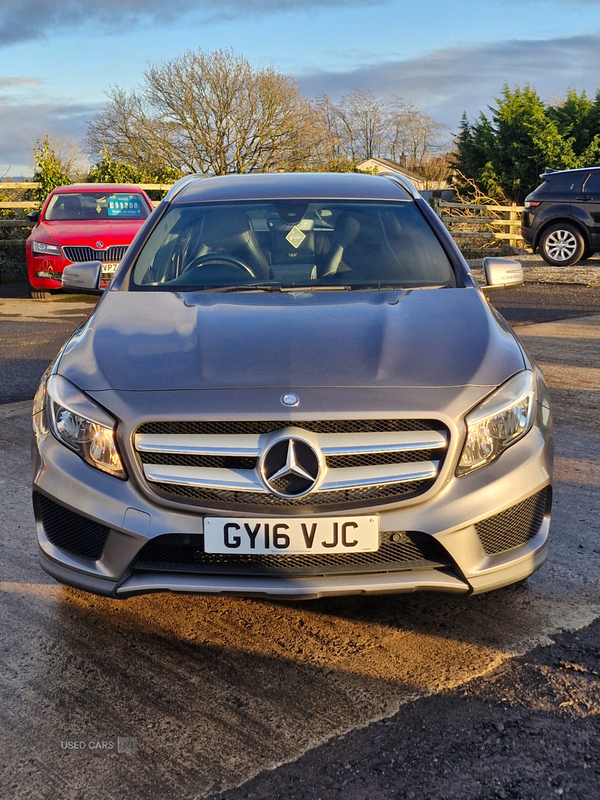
x=363, y=477
x=359, y=443
x=198, y=444
x=243, y=480
x=247, y=480
x=330, y=444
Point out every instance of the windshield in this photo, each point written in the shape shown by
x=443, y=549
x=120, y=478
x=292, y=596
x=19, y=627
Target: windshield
x=291, y=243
x=73, y=206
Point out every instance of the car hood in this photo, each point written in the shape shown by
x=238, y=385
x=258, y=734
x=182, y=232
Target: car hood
x=89, y=233
x=152, y=341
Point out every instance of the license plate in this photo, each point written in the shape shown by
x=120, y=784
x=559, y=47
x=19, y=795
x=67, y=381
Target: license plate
x=109, y=267
x=280, y=536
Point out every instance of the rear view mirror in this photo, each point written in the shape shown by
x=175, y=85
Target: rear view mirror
x=82, y=278
x=501, y=273
x=33, y=216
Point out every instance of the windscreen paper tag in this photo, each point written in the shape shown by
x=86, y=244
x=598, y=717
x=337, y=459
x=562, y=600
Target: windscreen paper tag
x=124, y=205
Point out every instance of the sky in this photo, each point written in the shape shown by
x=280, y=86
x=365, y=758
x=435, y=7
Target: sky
x=59, y=57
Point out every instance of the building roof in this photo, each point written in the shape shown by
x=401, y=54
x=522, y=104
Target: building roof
x=390, y=166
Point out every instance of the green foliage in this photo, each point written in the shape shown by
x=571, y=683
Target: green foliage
x=505, y=153
x=341, y=165
x=110, y=171
x=49, y=171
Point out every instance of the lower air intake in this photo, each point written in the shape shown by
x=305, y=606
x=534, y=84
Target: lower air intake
x=398, y=550
x=514, y=527
x=70, y=532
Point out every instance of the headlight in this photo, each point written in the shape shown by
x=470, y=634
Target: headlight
x=39, y=404
x=44, y=248
x=80, y=424
x=499, y=421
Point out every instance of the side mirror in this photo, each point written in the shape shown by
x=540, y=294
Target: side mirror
x=501, y=273
x=33, y=216
x=82, y=278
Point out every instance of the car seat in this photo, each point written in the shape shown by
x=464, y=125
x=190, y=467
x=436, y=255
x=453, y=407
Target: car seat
x=231, y=232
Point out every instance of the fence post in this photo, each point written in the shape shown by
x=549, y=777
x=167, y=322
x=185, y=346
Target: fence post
x=436, y=204
x=514, y=222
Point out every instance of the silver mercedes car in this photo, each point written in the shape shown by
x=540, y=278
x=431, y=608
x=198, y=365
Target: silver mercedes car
x=293, y=386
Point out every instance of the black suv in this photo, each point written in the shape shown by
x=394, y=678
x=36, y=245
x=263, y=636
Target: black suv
x=561, y=218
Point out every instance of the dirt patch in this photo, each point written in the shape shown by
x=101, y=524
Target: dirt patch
x=530, y=730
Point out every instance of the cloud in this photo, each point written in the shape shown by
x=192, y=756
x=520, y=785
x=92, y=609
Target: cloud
x=22, y=125
x=25, y=20
x=9, y=83
x=446, y=82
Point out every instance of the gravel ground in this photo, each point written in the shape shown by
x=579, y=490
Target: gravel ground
x=586, y=273
x=528, y=731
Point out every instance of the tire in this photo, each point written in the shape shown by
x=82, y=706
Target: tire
x=562, y=245
x=39, y=294
x=587, y=253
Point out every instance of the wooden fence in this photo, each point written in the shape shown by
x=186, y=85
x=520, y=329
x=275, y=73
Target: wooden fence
x=463, y=220
x=479, y=221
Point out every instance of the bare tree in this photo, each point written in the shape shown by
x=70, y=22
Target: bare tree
x=127, y=130
x=333, y=151
x=211, y=113
x=362, y=124
x=413, y=134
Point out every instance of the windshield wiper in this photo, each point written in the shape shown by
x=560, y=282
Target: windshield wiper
x=242, y=287
x=396, y=287
x=269, y=287
x=338, y=287
x=323, y=287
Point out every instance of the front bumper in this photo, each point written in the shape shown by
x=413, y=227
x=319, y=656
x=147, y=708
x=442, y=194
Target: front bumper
x=45, y=271
x=449, y=513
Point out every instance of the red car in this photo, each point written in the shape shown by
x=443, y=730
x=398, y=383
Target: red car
x=82, y=222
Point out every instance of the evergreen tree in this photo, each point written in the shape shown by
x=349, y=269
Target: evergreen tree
x=575, y=120
x=506, y=152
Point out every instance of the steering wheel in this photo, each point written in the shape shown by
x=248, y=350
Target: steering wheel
x=219, y=258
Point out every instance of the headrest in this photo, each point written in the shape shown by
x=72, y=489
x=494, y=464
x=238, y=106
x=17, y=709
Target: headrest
x=220, y=226
x=346, y=229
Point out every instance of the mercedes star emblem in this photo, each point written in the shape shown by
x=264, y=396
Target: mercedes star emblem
x=290, y=399
x=290, y=468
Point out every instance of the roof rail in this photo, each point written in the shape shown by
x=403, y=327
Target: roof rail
x=550, y=171
x=403, y=182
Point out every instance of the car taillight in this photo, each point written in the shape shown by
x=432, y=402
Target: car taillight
x=532, y=203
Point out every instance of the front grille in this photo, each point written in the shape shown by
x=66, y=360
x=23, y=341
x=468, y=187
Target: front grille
x=222, y=427
x=115, y=253
x=71, y=532
x=350, y=463
x=185, y=553
x=215, y=464
x=346, y=499
x=514, y=527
